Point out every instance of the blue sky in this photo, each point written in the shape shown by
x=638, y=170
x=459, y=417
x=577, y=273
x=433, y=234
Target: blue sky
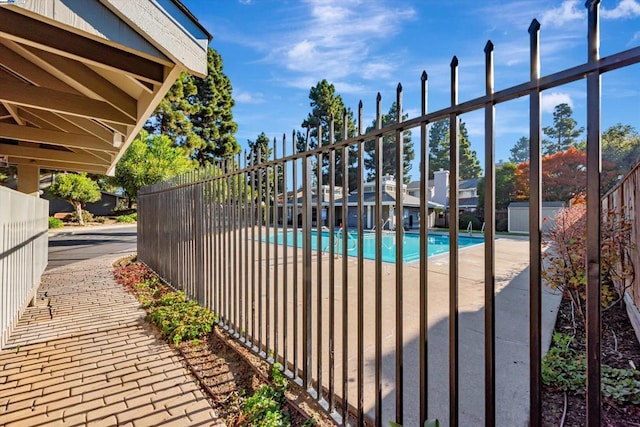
x=274, y=51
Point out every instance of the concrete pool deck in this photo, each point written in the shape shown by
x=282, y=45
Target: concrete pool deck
x=511, y=316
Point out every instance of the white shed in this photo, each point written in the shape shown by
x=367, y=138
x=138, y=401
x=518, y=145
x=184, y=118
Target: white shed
x=519, y=215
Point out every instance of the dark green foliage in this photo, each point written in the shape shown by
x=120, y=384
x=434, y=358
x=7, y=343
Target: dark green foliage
x=563, y=134
x=265, y=407
x=127, y=218
x=502, y=224
x=520, y=151
x=148, y=160
x=505, y=186
x=326, y=105
x=564, y=369
x=389, y=149
x=464, y=220
x=439, y=151
x=179, y=319
x=196, y=114
x=76, y=189
x=55, y=222
x=212, y=120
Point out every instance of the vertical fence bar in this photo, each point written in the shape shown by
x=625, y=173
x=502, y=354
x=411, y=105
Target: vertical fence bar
x=275, y=252
x=424, y=229
x=254, y=261
x=219, y=234
x=245, y=243
x=535, y=233
x=594, y=168
x=267, y=268
x=285, y=257
x=332, y=279
x=236, y=258
x=261, y=169
x=294, y=218
x=378, y=268
x=454, y=161
x=345, y=271
x=360, y=352
x=307, y=342
x=489, y=245
x=319, y=197
x=229, y=264
x=399, y=262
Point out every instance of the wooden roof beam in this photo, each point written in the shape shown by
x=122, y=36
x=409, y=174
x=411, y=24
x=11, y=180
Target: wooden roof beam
x=47, y=155
x=70, y=124
x=60, y=166
x=54, y=137
x=48, y=99
x=25, y=30
x=82, y=78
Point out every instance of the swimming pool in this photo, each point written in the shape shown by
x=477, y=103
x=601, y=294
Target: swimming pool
x=437, y=244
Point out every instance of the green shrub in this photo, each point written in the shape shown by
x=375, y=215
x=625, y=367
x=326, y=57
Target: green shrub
x=264, y=407
x=179, y=319
x=502, y=224
x=55, y=222
x=86, y=216
x=127, y=218
x=564, y=369
x=476, y=223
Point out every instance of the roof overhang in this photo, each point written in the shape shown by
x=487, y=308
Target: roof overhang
x=79, y=78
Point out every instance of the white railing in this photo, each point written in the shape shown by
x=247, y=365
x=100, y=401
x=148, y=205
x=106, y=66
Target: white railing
x=23, y=254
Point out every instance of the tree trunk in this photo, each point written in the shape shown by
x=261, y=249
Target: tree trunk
x=79, y=212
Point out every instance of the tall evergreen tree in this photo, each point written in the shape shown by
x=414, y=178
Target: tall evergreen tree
x=520, y=151
x=259, y=152
x=196, y=114
x=326, y=105
x=212, y=118
x=172, y=115
x=439, y=151
x=389, y=149
x=563, y=134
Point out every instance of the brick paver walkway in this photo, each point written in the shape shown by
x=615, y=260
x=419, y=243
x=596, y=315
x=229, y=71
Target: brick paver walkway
x=84, y=356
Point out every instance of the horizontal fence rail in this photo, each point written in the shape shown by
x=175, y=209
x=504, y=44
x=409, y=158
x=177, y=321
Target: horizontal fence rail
x=263, y=239
x=23, y=254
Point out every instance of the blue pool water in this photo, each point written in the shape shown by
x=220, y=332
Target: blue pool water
x=437, y=244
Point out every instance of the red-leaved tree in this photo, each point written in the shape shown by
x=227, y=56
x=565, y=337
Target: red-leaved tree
x=564, y=176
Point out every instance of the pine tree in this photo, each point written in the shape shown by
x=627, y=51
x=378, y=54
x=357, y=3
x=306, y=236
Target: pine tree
x=326, y=105
x=212, y=118
x=520, y=151
x=389, y=149
x=563, y=133
x=469, y=166
x=196, y=114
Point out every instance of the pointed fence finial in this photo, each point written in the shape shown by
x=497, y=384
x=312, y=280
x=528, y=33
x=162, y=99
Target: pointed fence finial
x=424, y=76
x=488, y=47
x=454, y=61
x=535, y=26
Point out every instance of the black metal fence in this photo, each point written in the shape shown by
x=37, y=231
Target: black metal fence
x=244, y=238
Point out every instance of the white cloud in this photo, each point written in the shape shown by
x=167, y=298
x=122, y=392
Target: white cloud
x=551, y=99
x=624, y=9
x=634, y=39
x=569, y=10
x=249, y=98
x=337, y=40
x=245, y=1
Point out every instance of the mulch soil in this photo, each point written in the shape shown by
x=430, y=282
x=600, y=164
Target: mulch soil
x=227, y=370
x=620, y=349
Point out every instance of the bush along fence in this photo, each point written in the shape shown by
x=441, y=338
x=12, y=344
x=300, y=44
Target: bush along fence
x=245, y=238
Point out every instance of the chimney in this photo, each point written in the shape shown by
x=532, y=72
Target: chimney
x=441, y=187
